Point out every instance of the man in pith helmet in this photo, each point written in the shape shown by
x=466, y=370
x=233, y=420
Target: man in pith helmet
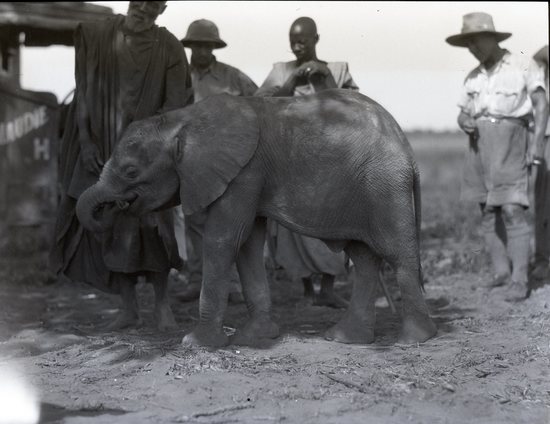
x=209, y=77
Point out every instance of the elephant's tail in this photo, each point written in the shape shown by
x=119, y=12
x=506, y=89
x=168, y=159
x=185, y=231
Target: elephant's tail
x=418, y=217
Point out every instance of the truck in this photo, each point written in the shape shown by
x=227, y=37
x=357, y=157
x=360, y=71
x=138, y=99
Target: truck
x=31, y=122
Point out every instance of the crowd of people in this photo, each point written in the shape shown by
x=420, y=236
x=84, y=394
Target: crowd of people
x=128, y=68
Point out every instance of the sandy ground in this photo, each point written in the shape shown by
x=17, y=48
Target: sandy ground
x=489, y=363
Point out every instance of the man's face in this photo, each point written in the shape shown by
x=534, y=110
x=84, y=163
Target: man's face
x=482, y=46
x=201, y=54
x=142, y=14
x=302, y=43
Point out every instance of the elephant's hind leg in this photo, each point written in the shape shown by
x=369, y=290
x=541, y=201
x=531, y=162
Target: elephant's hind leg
x=357, y=325
x=255, y=289
x=417, y=325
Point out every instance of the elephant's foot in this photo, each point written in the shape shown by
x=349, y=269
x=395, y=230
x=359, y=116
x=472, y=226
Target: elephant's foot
x=255, y=330
x=208, y=336
x=125, y=319
x=351, y=330
x=331, y=300
x=416, y=329
x=165, y=318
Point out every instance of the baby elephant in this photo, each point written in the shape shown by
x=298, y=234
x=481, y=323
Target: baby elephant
x=334, y=166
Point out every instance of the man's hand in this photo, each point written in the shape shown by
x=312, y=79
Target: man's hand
x=311, y=68
x=533, y=159
x=91, y=158
x=468, y=125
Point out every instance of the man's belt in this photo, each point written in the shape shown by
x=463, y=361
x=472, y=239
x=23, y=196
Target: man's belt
x=494, y=120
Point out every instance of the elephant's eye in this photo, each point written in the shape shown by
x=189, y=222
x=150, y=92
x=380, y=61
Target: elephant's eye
x=131, y=172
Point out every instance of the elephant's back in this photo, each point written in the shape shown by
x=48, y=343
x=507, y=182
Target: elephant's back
x=341, y=125
x=337, y=151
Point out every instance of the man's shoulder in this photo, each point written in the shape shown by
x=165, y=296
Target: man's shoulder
x=101, y=25
x=170, y=38
x=338, y=66
x=226, y=68
x=473, y=74
x=284, y=65
x=517, y=60
x=171, y=43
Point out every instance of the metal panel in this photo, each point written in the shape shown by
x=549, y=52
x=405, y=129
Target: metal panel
x=28, y=166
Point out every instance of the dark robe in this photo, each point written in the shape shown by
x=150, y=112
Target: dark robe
x=121, y=77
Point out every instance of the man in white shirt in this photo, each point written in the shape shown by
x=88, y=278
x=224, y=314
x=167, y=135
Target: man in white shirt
x=500, y=97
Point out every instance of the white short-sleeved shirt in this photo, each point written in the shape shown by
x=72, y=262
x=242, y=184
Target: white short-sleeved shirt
x=503, y=91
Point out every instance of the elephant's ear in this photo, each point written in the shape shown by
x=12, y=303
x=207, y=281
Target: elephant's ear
x=218, y=138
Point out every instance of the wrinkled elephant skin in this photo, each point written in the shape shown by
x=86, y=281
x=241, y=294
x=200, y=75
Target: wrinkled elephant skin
x=334, y=166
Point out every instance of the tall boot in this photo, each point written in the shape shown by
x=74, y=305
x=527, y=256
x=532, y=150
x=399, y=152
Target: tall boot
x=518, y=249
x=495, y=241
x=518, y=232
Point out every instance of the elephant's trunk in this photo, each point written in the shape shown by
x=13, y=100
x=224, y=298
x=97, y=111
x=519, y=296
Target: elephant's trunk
x=95, y=201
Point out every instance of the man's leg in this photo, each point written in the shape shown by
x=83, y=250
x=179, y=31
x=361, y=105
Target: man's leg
x=518, y=234
x=327, y=297
x=129, y=314
x=163, y=314
x=495, y=241
x=542, y=219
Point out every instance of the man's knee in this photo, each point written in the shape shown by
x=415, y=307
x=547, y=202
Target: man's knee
x=513, y=214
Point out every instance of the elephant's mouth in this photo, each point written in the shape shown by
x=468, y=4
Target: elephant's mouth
x=113, y=207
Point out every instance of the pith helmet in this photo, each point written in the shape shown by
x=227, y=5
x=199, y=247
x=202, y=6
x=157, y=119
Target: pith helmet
x=203, y=31
x=476, y=23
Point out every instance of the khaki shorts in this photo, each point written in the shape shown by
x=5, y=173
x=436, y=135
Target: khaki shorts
x=495, y=170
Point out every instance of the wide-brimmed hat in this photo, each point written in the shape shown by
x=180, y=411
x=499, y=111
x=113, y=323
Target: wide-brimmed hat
x=203, y=31
x=475, y=23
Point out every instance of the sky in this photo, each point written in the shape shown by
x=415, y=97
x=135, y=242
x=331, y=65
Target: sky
x=396, y=51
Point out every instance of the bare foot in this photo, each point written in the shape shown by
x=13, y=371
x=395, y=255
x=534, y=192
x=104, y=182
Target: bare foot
x=125, y=319
x=331, y=300
x=165, y=318
x=305, y=302
x=498, y=280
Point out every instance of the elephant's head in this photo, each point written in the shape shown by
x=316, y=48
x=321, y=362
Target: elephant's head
x=188, y=155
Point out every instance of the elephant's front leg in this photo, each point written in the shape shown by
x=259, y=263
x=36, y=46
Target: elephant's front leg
x=227, y=225
x=250, y=264
x=217, y=261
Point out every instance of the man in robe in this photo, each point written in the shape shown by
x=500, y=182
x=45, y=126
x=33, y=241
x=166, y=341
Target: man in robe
x=127, y=69
x=305, y=257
